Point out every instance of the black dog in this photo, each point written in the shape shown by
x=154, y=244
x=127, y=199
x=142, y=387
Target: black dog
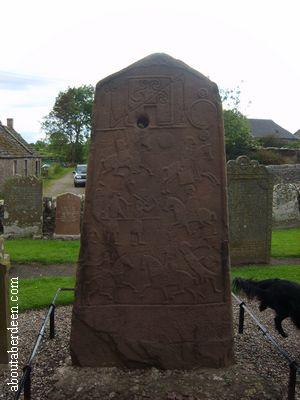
x=281, y=295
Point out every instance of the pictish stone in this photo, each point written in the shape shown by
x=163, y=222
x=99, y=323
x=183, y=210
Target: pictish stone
x=153, y=284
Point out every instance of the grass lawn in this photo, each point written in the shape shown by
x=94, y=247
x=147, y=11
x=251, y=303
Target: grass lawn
x=286, y=243
x=39, y=292
x=289, y=272
x=42, y=251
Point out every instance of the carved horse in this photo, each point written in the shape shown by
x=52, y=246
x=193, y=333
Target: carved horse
x=184, y=217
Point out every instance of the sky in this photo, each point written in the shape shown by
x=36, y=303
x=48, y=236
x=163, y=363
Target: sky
x=47, y=46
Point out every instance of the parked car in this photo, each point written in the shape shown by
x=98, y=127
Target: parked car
x=80, y=175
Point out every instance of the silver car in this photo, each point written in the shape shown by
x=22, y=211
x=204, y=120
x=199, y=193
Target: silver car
x=80, y=175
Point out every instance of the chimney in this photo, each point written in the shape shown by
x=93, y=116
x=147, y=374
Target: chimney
x=10, y=123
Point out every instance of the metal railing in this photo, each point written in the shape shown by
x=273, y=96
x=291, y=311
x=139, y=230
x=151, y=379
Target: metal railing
x=293, y=365
x=25, y=381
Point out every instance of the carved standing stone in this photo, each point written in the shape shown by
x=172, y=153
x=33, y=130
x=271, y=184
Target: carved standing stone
x=250, y=188
x=67, y=218
x=153, y=284
x=23, y=206
x=4, y=305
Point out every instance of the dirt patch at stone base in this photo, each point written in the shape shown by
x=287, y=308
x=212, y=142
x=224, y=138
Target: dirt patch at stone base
x=203, y=384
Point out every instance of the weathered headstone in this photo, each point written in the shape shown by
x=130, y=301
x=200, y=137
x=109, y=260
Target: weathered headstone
x=250, y=189
x=4, y=305
x=23, y=207
x=153, y=284
x=67, y=218
x=286, y=204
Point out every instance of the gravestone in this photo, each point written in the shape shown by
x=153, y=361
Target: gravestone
x=67, y=217
x=23, y=207
x=4, y=305
x=250, y=188
x=152, y=282
x=286, y=205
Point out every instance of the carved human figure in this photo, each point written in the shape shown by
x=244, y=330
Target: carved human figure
x=118, y=206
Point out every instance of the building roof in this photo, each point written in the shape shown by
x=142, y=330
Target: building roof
x=13, y=145
x=297, y=134
x=261, y=128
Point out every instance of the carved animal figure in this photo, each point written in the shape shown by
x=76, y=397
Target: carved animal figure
x=204, y=274
x=183, y=216
x=170, y=281
x=101, y=283
x=281, y=295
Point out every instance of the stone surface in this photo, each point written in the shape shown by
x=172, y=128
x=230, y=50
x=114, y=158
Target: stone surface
x=22, y=207
x=286, y=173
x=286, y=204
x=152, y=282
x=67, y=218
x=4, y=304
x=250, y=189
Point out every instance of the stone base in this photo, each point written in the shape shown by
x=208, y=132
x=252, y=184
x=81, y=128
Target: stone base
x=165, y=337
x=66, y=237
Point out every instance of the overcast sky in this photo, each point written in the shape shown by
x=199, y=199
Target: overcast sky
x=47, y=46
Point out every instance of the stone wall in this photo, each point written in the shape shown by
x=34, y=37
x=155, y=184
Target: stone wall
x=7, y=168
x=22, y=207
x=289, y=156
x=49, y=211
x=288, y=173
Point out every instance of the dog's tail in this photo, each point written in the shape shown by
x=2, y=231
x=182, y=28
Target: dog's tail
x=248, y=286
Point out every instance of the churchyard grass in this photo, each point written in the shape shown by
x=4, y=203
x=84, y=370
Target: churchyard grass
x=39, y=292
x=259, y=272
x=26, y=251
x=286, y=243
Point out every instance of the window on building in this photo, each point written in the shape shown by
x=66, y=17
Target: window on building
x=26, y=168
x=37, y=168
x=15, y=167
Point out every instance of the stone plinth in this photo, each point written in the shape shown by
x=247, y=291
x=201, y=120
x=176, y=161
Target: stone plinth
x=153, y=284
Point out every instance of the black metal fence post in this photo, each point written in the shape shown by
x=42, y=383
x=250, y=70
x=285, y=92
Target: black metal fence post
x=292, y=381
x=27, y=382
x=241, y=318
x=52, y=322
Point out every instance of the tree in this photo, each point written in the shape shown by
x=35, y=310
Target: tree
x=238, y=140
x=68, y=125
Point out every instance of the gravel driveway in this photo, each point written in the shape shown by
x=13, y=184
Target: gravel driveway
x=259, y=373
x=63, y=185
